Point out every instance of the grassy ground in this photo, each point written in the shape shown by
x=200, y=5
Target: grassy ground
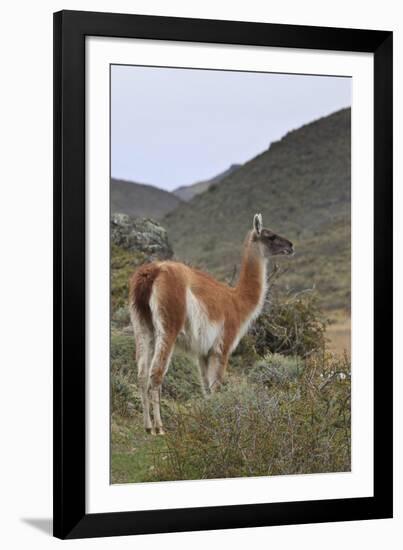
x=275, y=415
x=133, y=450
x=284, y=408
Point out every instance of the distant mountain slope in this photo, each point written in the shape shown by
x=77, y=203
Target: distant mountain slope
x=301, y=185
x=186, y=193
x=137, y=199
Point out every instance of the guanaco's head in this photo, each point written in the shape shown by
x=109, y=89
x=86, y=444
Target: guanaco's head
x=269, y=243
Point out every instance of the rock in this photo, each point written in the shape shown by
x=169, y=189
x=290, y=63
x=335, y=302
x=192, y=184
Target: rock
x=141, y=234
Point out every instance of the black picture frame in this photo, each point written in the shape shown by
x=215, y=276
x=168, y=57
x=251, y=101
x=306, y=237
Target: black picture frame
x=70, y=517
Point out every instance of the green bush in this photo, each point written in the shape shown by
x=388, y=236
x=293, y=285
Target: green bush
x=122, y=355
x=284, y=409
x=121, y=317
x=275, y=369
x=123, y=264
x=182, y=380
x=245, y=355
x=291, y=326
x=297, y=425
x=124, y=396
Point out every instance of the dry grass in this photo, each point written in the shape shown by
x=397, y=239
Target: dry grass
x=338, y=333
x=294, y=423
x=284, y=409
x=275, y=415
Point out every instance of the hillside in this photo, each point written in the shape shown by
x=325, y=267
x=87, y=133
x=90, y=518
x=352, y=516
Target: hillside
x=186, y=193
x=301, y=185
x=136, y=199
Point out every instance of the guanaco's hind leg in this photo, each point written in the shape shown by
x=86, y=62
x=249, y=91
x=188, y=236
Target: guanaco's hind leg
x=168, y=305
x=159, y=365
x=144, y=344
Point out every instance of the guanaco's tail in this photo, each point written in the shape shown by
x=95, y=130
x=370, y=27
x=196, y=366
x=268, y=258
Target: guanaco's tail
x=141, y=285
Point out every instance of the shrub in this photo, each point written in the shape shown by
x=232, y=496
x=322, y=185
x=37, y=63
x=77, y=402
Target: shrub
x=122, y=356
x=285, y=408
x=245, y=355
x=121, y=317
x=300, y=424
x=124, y=396
x=292, y=326
x=182, y=380
x=123, y=264
x=275, y=369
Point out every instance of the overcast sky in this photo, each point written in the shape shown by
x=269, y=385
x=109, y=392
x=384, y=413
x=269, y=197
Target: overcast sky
x=173, y=127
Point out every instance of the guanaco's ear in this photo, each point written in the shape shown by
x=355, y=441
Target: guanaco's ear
x=257, y=223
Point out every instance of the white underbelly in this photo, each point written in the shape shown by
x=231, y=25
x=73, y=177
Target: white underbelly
x=199, y=335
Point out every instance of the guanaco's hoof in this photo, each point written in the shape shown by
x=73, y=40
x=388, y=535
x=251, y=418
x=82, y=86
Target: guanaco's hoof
x=159, y=431
x=149, y=430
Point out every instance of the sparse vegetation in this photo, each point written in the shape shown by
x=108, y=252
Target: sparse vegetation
x=297, y=423
x=277, y=413
x=292, y=326
x=285, y=415
x=285, y=405
x=123, y=263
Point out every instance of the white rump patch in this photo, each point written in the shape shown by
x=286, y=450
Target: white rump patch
x=156, y=314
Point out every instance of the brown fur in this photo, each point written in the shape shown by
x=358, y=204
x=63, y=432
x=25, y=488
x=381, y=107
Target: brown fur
x=231, y=305
x=141, y=284
x=158, y=296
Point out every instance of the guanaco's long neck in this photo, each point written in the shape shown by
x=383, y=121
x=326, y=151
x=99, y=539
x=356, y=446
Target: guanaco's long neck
x=251, y=287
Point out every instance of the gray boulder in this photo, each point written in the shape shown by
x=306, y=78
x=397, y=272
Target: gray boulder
x=141, y=235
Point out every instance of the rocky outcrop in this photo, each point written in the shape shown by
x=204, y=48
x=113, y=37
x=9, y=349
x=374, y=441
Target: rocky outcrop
x=140, y=235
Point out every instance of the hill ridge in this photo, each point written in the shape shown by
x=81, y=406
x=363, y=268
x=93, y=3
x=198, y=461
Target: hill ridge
x=141, y=199
x=301, y=184
x=187, y=192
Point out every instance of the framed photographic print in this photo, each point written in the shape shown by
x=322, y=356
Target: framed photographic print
x=223, y=274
